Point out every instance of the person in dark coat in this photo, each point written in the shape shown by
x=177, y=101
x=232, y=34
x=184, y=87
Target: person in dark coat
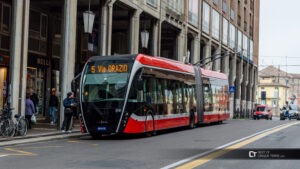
x=34, y=98
x=69, y=104
x=53, y=105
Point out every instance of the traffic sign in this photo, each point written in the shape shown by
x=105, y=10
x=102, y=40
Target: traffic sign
x=231, y=89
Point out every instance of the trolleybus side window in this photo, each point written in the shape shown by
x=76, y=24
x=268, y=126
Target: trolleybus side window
x=207, y=95
x=135, y=95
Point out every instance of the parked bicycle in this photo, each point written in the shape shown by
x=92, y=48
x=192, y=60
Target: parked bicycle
x=7, y=126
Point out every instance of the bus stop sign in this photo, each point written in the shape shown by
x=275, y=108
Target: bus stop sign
x=231, y=89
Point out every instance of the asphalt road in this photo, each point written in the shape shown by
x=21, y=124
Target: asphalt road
x=163, y=150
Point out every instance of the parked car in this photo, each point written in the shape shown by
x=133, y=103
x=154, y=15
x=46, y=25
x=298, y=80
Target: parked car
x=263, y=111
x=293, y=112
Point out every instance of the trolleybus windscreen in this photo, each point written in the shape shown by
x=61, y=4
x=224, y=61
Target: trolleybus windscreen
x=105, y=81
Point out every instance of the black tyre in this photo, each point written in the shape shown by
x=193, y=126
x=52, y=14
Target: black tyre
x=7, y=128
x=271, y=118
x=95, y=135
x=21, y=127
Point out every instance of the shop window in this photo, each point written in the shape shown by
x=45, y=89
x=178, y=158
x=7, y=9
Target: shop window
x=3, y=86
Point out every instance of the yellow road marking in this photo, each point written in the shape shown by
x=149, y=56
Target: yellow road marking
x=74, y=141
x=94, y=144
x=221, y=152
x=20, y=151
x=40, y=147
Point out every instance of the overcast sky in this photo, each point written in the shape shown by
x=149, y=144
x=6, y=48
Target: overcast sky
x=280, y=33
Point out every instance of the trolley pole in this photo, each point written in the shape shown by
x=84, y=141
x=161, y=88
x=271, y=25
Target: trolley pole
x=277, y=107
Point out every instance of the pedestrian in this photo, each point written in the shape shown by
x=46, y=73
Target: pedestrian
x=29, y=110
x=34, y=98
x=287, y=108
x=53, y=105
x=69, y=104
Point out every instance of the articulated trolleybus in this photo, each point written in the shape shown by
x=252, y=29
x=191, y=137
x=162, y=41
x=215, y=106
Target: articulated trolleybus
x=144, y=94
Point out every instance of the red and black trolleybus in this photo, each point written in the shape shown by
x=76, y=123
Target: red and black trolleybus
x=144, y=94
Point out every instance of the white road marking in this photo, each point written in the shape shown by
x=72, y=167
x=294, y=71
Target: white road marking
x=3, y=156
x=218, y=148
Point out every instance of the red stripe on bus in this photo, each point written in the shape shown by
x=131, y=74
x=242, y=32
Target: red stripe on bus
x=164, y=63
x=134, y=126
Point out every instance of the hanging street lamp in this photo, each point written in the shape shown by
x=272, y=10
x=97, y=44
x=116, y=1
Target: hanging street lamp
x=144, y=38
x=88, y=20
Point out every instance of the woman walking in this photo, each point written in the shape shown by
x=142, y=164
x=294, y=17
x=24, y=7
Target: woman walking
x=29, y=110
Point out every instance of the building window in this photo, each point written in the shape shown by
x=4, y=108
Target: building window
x=263, y=95
x=38, y=23
x=176, y=6
x=245, y=46
x=152, y=3
x=224, y=6
x=5, y=22
x=5, y=17
x=251, y=49
x=215, y=24
x=240, y=38
x=193, y=12
x=215, y=2
x=276, y=93
x=206, y=17
x=274, y=102
x=232, y=36
x=231, y=14
x=225, y=31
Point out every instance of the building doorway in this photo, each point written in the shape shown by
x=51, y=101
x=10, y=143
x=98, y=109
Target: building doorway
x=3, y=86
x=35, y=81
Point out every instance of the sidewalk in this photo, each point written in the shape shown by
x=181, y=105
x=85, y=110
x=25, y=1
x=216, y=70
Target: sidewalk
x=39, y=134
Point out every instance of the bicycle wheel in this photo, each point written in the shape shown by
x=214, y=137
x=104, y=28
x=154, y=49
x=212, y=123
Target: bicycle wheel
x=21, y=127
x=8, y=128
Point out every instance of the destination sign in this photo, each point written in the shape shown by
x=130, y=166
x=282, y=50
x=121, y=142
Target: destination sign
x=111, y=68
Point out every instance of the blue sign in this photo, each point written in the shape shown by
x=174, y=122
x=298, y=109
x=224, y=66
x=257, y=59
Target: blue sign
x=101, y=128
x=1, y=59
x=231, y=89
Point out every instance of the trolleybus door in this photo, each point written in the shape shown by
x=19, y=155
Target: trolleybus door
x=199, y=94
